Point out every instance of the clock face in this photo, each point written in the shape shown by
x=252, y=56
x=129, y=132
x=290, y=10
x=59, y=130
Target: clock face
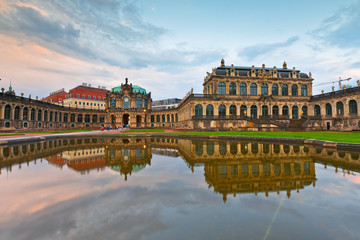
x=126, y=99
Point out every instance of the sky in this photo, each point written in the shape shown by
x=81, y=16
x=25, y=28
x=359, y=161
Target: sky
x=168, y=46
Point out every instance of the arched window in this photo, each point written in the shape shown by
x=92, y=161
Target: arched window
x=304, y=90
x=243, y=110
x=284, y=90
x=94, y=118
x=152, y=118
x=138, y=102
x=253, y=111
x=275, y=110
x=253, y=89
x=168, y=118
x=328, y=109
x=222, y=110
x=55, y=118
x=264, y=89
x=66, y=117
x=126, y=102
x=46, y=116
x=112, y=102
x=285, y=111
x=176, y=117
x=7, y=112
x=163, y=118
x=32, y=115
x=209, y=110
x=145, y=103
x=317, y=111
x=243, y=90
x=51, y=116
x=80, y=118
x=157, y=118
x=232, y=88
x=221, y=88
x=304, y=111
x=275, y=90
x=265, y=110
x=210, y=148
x=353, y=107
x=25, y=113
x=72, y=117
x=295, y=112
x=232, y=110
x=39, y=115
x=198, y=110
x=17, y=113
x=87, y=118
x=294, y=90
x=172, y=117
x=339, y=108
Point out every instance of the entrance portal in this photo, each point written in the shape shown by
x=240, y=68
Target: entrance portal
x=126, y=119
x=138, y=121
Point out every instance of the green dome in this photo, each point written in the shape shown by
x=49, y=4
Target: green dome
x=134, y=87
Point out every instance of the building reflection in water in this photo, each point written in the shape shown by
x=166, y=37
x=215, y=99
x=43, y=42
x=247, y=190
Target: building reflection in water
x=229, y=167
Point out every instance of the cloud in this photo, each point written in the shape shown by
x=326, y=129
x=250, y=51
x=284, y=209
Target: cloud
x=254, y=51
x=341, y=29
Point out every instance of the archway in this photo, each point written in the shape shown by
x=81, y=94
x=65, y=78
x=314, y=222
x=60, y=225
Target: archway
x=126, y=119
x=138, y=121
x=113, y=119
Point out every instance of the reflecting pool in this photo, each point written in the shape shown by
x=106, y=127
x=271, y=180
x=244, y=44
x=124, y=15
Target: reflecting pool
x=167, y=188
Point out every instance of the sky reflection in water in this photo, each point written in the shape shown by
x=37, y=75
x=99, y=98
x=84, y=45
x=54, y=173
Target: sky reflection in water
x=177, y=189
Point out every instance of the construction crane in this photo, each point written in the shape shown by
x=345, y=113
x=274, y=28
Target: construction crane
x=339, y=81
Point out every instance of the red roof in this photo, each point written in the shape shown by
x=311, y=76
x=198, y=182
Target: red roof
x=90, y=89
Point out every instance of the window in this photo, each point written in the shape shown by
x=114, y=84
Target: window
x=243, y=110
x=317, y=110
x=145, y=103
x=60, y=100
x=303, y=90
x=295, y=112
x=87, y=103
x=138, y=102
x=89, y=97
x=328, y=109
x=163, y=118
x=75, y=102
x=275, y=110
x=152, y=118
x=232, y=110
x=72, y=118
x=198, y=110
x=94, y=98
x=126, y=102
x=83, y=96
x=232, y=88
x=253, y=111
x=352, y=107
x=39, y=115
x=99, y=98
x=285, y=111
x=243, y=90
x=284, y=90
x=7, y=112
x=80, y=118
x=264, y=89
x=294, y=90
x=209, y=110
x=17, y=113
x=77, y=95
x=222, y=110
x=304, y=111
x=221, y=88
x=87, y=118
x=265, y=110
x=253, y=89
x=275, y=90
x=339, y=108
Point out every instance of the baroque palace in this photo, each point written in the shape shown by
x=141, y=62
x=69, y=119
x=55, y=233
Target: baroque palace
x=233, y=98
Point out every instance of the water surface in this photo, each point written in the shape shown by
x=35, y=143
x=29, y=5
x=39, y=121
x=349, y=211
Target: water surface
x=155, y=188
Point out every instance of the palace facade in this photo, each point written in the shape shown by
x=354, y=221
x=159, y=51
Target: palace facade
x=233, y=98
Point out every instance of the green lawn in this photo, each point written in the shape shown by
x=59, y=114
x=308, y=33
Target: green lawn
x=10, y=134
x=349, y=137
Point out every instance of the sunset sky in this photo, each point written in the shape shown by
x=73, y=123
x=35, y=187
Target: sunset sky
x=168, y=46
